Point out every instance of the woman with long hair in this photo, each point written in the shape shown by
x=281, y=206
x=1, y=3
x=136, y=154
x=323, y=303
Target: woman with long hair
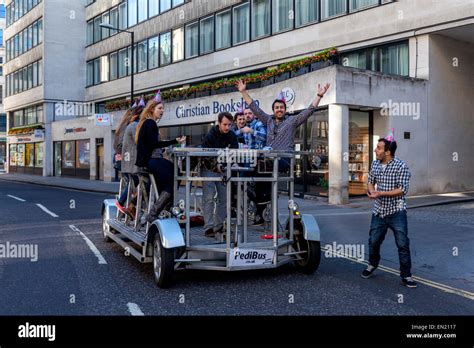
x=150, y=154
x=126, y=150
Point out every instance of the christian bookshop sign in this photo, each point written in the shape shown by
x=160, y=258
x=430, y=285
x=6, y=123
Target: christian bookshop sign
x=200, y=110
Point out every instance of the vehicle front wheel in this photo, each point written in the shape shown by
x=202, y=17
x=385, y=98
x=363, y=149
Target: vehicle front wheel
x=310, y=260
x=163, y=263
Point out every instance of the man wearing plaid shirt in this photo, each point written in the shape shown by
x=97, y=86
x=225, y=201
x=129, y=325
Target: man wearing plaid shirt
x=388, y=184
x=255, y=133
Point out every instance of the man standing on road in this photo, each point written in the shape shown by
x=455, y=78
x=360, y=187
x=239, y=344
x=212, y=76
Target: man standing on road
x=389, y=180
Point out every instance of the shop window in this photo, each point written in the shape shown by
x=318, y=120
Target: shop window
x=29, y=155
x=68, y=155
x=83, y=154
x=359, y=153
x=38, y=155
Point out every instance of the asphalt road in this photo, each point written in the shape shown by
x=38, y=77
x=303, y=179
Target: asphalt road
x=68, y=278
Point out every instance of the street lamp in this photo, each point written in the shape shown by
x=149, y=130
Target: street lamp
x=109, y=26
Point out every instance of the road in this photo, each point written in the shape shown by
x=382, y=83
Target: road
x=77, y=273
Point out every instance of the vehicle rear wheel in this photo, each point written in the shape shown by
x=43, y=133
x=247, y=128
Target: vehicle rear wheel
x=105, y=228
x=163, y=263
x=310, y=260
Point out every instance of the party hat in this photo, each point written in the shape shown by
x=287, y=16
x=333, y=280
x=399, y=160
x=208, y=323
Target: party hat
x=142, y=102
x=390, y=136
x=158, y=97
x=281, y=97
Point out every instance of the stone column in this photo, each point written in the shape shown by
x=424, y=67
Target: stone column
x=338, y=154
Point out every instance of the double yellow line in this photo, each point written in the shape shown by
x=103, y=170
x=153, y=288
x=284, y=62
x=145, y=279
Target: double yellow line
x=443, y=287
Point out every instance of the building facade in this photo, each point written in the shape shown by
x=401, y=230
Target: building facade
x=402, y=65
x=3, y=117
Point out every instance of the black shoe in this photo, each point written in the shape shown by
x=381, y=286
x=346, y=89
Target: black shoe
x=209, y=233
x=409, y=282
x=368, y=272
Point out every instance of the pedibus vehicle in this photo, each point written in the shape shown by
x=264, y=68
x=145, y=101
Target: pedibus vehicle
x=173, y=242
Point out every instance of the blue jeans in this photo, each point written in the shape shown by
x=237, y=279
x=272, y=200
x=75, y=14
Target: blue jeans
x=378, y=229
x=123, y=196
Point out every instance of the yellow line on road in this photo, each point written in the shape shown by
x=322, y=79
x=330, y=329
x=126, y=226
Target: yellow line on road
x=443, y=287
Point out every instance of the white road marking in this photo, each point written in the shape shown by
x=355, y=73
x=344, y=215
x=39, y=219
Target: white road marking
x=339, y=214
x=90, y=244
x=17, y=198
x=46, y=210
x=134, y=309
x=443, y=287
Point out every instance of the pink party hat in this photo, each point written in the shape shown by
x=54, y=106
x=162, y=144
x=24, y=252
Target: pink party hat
x=390, y=136
x=281, y=97
x=158, y=97
x=142, y=102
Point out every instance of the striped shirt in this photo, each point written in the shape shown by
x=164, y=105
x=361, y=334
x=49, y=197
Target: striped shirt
x=395, y=175
x=281, y=135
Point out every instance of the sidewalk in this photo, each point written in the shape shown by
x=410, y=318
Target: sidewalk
x=358, y=203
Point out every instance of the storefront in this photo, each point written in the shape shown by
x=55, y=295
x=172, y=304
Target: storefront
x=72, y=158
x=26, y=153
x=194, y=118
x=83, y=147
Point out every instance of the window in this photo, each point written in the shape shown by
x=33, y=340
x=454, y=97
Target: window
x=177, y=2
x=135, y=58
x=390, y=59
x=359, y=4
x=153, y=7
x=142, y=10
x=97, y=71
x=97, y=30
x=30, y=76
x=165, y=48
x=283, y=15
x=105, y=20
x=132, y=12
x=1, y=37
x=123, y=23
x=223, y=29
x=40, y=31
x=114, y=20
x=192, y=40
x=260, y=18
x=38, y=155
x=178, y=44
x=153, y=53
x=90, y=33
x=142, y=56
x=165, y=5
x=306, y=12
x=241, y=24
x=35, y=75
x=2, y=10
x=394, y=59
x=330, y=8
x=104, y=68
x=207, y=35
x=90, y=74
x=123, y=63
x=20, y=41
x=113, y=66
x=355, y=60
x=40, y=72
